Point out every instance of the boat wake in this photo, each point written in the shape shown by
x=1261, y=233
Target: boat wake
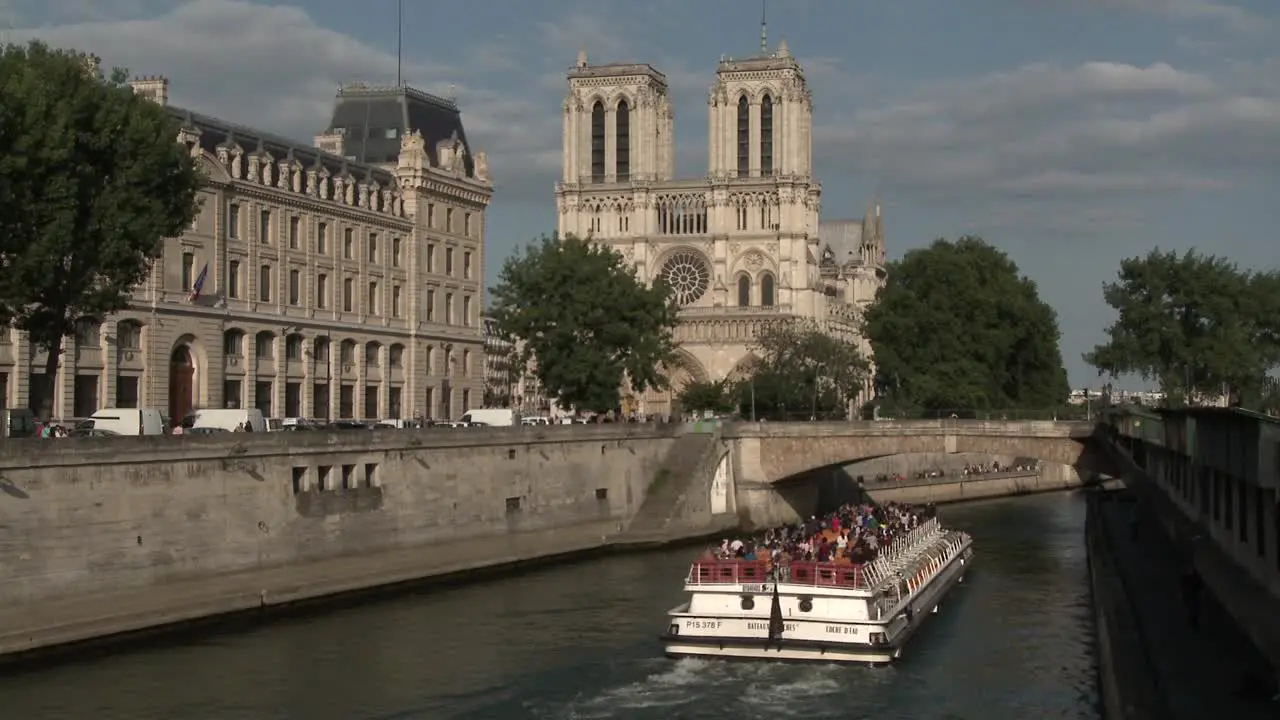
x=693, y=688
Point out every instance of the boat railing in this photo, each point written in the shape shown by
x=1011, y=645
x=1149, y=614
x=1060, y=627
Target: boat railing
x=891, y=561
x=893, y=558
x=755, y=572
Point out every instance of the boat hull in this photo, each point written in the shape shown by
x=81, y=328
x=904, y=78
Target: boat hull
x=729, y=637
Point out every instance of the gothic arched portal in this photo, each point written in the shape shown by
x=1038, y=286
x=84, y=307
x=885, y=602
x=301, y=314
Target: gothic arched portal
x=682, y=371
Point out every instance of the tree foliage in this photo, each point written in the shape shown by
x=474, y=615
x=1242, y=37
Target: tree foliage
x=957, y=327
x=92, y=180
x=716, y=396
x=585, y=322
x=1197, y=324
x=801, y=369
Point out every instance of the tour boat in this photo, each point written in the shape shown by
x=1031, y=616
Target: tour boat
x=822, y=612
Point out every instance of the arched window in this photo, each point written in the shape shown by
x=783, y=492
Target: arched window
x=597, y=142
x=347, y=352
x=766, y=290
x=371, y=352
x=622, y=120
x=744, y=291
x=88, y=333
x=128, y=335
x=264, y=345
x=766, y=136
x=293, y=348
x=321, y=351
x=233, y=343
x=744, y=137
x=395, y=356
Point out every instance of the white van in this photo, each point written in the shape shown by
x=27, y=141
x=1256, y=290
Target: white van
x=128, y=421
x=230, y=420
x=492, y=417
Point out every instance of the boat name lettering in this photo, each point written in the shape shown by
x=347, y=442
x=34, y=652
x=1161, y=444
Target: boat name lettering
x=703, y=624
x=757, y=588
x=786, y=627
x=842, y=629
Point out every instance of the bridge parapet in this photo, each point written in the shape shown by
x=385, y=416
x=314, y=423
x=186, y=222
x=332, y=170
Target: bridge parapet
x=903, y=428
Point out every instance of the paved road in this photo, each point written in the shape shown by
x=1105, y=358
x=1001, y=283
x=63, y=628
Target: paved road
x=1203, y=672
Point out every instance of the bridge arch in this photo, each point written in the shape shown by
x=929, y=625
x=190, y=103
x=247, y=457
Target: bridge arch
x=780, y=451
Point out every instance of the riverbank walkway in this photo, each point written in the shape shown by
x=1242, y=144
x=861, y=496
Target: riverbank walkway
x=1207, y=671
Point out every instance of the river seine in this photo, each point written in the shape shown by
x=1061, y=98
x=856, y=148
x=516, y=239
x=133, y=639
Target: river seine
x=580, y=641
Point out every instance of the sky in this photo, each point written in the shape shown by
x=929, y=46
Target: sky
x=1069, y=133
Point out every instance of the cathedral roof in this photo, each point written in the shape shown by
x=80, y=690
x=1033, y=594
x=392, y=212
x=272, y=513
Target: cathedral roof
x=619, y=69
x=843, y=238
x=373, y=119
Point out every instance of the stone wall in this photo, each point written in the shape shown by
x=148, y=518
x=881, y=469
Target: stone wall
x=910, y=465
x=982, y=487
x=87, y=516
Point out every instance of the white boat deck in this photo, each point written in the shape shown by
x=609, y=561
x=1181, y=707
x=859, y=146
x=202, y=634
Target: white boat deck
x=819, y=611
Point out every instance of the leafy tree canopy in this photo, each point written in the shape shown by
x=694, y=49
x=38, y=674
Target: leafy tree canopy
x=92, y=180
x=717, y=396
x=1196, y=323
x=957, y=327
x=802, y=369
x=584, y=321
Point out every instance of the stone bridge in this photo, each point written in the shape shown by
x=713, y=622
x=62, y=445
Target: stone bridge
x=774, y=452
x=779, y=472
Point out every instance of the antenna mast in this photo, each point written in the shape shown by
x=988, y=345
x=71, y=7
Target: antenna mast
x=764, y=28
x=399, y=41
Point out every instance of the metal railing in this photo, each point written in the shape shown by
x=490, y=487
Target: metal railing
x=890, y=561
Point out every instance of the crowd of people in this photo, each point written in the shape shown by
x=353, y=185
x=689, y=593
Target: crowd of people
x=968, y=471
x=853, y=534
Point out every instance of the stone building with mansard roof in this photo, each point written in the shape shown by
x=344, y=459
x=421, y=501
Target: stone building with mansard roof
x=342, y=282
x=741, y=246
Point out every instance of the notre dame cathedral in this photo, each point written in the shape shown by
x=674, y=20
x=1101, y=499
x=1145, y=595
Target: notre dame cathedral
x=741, y=246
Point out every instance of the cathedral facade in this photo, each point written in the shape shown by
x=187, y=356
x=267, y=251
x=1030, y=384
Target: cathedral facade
x=742, y=246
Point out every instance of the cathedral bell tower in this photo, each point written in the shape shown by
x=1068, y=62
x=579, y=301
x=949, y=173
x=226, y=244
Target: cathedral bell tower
x=618, y=124
x=761, y=118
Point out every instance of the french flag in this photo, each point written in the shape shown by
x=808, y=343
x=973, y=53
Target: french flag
x=199, y=284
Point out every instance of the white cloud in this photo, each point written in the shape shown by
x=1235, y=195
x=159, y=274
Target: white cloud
x=275, y=68
x=1052, y=132
x=1098, y=129
x=1231, y=17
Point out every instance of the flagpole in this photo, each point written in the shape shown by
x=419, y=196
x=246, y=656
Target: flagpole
x=399, y=41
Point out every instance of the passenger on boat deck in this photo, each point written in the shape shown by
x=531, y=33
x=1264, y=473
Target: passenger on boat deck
x=853, y=534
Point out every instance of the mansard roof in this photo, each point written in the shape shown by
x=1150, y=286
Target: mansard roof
x=373, y=119
x=215, y=132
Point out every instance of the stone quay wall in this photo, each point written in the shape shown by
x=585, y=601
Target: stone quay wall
x=1051, y=477
x=279, y=517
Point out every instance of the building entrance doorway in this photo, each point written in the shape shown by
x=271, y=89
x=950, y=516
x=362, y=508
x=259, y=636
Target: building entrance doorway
x=182, y=371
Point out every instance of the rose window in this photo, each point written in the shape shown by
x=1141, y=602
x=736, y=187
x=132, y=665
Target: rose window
x=688, y=276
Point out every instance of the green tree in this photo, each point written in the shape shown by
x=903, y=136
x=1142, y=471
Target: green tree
x=957, y=327
x=92, y=181
x=717, y=396
x=1197, y=324
x=585, y=322
x=801, y=370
